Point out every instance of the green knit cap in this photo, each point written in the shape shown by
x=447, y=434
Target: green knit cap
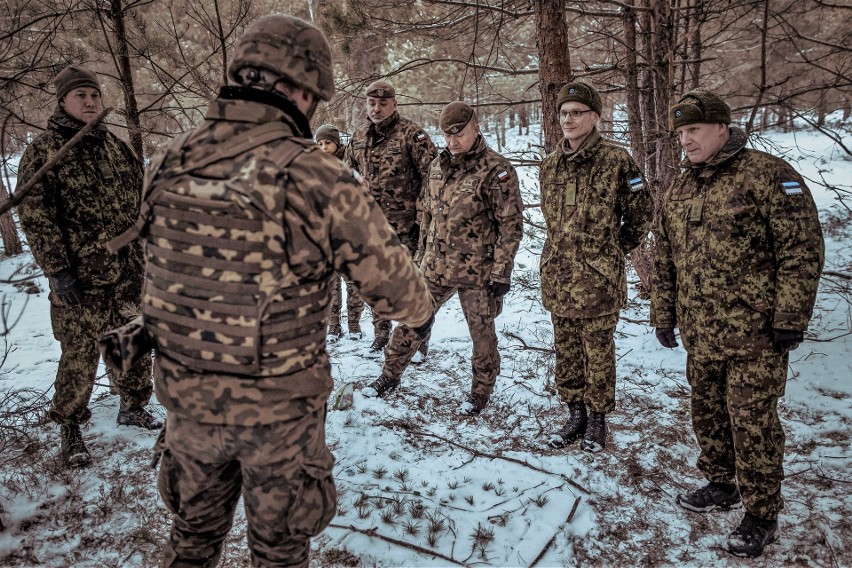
x=582, y=93
x=699, y=106
x=328, y=132
x=73, y=77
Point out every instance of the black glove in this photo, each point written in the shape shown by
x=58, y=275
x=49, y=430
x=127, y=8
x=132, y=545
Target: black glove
x=666, y=337
x=66, y=287
x=499, y=289
x=423, y=330
x=786, y=340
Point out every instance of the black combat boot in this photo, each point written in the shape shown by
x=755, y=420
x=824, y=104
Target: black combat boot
x=379, y=342
x=422, y=352
x=595, y=439
x=334, y=332
x=380, y=387
x=574, y=427
x=724, y=496
x=474, y=404
x=73, y=450
x=137, y=416
x=751, y=537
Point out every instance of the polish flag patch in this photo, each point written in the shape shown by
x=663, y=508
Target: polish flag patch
x=503, y=175
x=421, y=136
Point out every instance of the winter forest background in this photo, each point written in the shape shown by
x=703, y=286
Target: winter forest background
x=418, y=484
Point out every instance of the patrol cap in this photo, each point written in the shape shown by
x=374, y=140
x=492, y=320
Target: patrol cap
x=73, y=77
x=328, y=132
x=381, y=90
x=455, y=117
x=580, y=92
x=699, y=106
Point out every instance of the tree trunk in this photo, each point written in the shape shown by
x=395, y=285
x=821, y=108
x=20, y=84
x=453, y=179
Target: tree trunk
x=631, y=76
x=125, y=73
x=696, y=52
x=554, y=65
x=663, y=71
x=8, y=231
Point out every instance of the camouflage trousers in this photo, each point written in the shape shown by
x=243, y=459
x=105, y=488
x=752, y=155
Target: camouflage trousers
x=382, y=327
x=354, y=306
x=480, y=310
x=78, y=328
x=585, y=360
x=736, y=424
x=282, y=470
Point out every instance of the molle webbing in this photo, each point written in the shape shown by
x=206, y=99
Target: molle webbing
x=214, y=298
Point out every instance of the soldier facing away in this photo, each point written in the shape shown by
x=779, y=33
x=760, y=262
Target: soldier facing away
x=597, y=209
x=327, y=137
x=393, y=154
x=88, y=198
x=738, y=260
x=471, y=227
x=247, y=223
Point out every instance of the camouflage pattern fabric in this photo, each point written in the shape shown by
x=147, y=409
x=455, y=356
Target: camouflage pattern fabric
x=739, y=253
x=470, y=218
x=585, y=360
x=597, y=208
x=91, y=196
x=330, y=224
x=282, y=470
x=393, y=157
x=354, y=306
x=736, y=424
x=480, y=310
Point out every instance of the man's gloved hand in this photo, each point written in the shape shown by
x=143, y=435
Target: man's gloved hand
x=423, y=330
x=786, y=340
x=499, y=289
x=666, y=337
x=66, y=287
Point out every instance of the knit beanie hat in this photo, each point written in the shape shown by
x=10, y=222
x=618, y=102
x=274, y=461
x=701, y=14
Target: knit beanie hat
x=73, y=77
x=699, y=106
x=328, y=132
x=580, y=92
x=455, y=117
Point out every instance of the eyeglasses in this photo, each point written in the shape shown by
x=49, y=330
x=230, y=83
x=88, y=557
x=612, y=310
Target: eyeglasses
x=574, y=114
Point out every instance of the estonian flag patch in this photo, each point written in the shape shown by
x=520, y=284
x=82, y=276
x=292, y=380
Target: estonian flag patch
x=791, y=187
x=503, y=175
x=636, y=184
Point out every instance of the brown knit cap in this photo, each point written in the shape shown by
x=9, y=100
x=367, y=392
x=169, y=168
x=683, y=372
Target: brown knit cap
x=455, y=117
x=328, y=132
x=73, y=77
x=699, y=106
x=381, y=90
x=582, y=93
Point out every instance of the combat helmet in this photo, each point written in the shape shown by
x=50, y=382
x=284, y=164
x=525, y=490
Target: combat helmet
x=289, y=47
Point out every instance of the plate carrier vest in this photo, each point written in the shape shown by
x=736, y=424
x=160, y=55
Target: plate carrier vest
x=213, y=298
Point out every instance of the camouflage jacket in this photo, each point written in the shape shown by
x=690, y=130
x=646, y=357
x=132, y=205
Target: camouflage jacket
x=471, y=218
x=393, y=157
x=597, y=208
x=317, y=220
x=739, y=251
x=91, y=196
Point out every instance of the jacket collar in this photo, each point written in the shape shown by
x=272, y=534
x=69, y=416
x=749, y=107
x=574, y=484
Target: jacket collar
x=382, y=128
x=736, y=143
x=247, y=104
x=68, y=126
x=463, y=161
x=585, y=149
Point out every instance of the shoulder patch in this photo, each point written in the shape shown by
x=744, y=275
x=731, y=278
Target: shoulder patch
x=791, y=187
x=420, y=136
x=502, y=175
x=636, y=184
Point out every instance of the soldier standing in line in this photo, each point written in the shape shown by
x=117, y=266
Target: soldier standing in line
x=246, y=225
x=393, y=154
x=471, y=227
x=90, y=196
x=739, y=252
x=597, y=209
x=328, y=138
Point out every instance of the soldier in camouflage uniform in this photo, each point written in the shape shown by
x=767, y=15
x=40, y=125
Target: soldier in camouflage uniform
x=739, y=252
x=90, y=196
x=328, y=139
x=597, y=209
x=246, y=225
x=392, y=154
x=471, y=227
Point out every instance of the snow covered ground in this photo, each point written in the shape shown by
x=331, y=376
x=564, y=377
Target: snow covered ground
x=421, y=485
